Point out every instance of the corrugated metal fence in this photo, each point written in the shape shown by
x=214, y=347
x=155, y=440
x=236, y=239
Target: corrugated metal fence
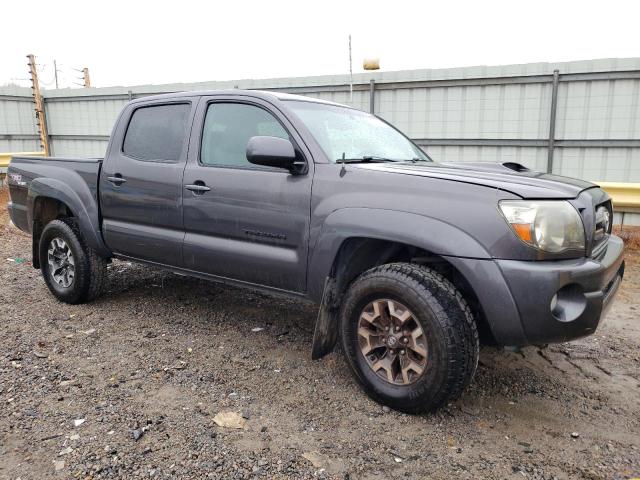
x=580, y=119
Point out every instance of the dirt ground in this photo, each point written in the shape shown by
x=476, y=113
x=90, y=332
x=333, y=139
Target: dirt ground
x=128, y=387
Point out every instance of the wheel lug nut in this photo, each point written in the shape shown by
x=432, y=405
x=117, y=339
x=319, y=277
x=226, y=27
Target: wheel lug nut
x=405, y=340
x=397, y=329
x=402, y=352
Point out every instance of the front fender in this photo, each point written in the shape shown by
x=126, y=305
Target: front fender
x=80, y=202
x=431, y=234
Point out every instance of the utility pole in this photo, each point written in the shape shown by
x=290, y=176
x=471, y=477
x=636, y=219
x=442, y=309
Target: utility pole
x=85, y=76
x=55, y=72
x=37, y=96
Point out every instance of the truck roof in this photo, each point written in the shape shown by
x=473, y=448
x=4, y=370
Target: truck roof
x=266, y=95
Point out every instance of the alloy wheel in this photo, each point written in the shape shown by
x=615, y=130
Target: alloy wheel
x=61, y=262
x=392, y=342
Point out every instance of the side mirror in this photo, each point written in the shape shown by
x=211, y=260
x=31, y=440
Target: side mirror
x=272, y=152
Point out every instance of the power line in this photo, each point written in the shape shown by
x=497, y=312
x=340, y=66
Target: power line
x=62, y=76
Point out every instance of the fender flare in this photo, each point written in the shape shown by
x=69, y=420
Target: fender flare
x=431, y=234
x=80, y=202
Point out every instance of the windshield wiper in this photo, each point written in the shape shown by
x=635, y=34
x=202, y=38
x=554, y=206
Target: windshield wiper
x=365, y=159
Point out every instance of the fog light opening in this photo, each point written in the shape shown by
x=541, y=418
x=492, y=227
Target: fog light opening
x=568, y=303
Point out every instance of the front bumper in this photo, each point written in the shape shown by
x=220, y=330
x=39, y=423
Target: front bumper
x=539, y=302
x=563, y=300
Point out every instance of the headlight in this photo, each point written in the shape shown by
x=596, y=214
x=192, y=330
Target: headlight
x=550, y=225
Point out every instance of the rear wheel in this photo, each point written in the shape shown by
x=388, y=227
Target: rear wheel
x=409, y=337
x=73, y=271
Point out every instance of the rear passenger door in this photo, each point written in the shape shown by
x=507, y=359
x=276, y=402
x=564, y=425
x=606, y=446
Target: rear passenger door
x=245, y=222
x=141, y=182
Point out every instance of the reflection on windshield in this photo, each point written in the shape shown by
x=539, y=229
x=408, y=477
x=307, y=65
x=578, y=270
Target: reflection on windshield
x=351, y=134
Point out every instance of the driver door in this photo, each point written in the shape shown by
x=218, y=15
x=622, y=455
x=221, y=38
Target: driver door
x=242, y=221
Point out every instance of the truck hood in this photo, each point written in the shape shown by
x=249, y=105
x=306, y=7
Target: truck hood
x=508, y=176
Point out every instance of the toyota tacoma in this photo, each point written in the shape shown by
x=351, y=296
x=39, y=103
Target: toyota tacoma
x=413, y=263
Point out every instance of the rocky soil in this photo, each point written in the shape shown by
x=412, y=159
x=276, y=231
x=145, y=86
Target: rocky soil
x=134, y=385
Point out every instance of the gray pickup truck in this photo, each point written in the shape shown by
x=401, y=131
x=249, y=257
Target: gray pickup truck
x=413, y=263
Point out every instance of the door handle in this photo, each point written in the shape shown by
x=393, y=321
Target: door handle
x=198, y=188
x=116, y=179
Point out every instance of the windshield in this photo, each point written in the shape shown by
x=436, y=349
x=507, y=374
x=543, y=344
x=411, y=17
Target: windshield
x=354, y=135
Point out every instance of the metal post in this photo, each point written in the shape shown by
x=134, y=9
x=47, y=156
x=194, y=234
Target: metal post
x=55, y=72
x=350, y=73
x=372, y=96
x=552, y=120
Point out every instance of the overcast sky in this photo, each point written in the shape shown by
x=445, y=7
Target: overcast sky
x=138, y=42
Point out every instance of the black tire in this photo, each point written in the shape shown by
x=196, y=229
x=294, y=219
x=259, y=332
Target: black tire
x=446, y=320
x=89, y=269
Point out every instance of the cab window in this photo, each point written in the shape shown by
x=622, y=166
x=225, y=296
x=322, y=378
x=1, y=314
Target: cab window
x=227, y=130
x=157, y=133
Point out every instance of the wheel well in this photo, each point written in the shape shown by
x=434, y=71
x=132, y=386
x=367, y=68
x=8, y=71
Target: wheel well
x=45, y=209
x=357, y=255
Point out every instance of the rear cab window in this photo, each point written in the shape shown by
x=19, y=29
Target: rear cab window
x=157, y=133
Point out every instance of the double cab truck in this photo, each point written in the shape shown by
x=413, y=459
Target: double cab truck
x=413, y=263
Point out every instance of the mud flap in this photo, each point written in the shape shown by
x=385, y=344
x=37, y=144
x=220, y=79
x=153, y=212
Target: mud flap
x=36, y=230
x=326, y=331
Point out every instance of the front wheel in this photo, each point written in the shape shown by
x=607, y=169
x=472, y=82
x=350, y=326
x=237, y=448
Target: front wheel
x=409, y=337
x=73, y=271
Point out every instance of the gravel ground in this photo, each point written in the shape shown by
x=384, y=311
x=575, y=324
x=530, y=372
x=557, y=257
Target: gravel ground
x=129, y=386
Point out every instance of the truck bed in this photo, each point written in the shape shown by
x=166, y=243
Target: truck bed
x=76, y=176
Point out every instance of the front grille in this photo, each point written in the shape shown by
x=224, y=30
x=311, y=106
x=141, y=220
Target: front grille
x=603, y=214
